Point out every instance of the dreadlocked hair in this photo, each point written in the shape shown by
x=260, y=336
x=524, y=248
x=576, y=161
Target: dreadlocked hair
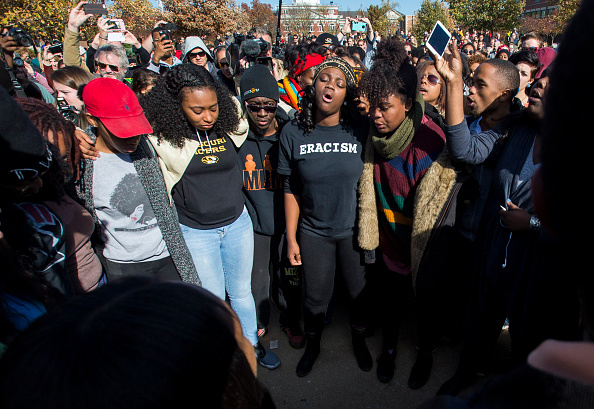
x=57, y=130
x=162, y=106
x=349, y=115
x=390, y=74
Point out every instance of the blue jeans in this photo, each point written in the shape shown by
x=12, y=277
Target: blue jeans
x=223, y=259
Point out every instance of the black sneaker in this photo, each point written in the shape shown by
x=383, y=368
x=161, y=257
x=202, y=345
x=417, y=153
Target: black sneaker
x=265, y=357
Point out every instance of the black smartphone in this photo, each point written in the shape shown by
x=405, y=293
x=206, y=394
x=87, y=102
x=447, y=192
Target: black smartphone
x=56, y=49
x=169, y=26
x=94, y=8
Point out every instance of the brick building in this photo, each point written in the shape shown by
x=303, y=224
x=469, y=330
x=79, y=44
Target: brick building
x=312, y=17
x=538, y=8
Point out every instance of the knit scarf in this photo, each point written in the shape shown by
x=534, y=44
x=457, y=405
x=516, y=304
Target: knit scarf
x=390, y=146
x=290, y=92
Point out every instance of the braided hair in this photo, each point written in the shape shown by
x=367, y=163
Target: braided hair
x=162, y=106
x=56, y=130
x=390, y=74
x=349, y=115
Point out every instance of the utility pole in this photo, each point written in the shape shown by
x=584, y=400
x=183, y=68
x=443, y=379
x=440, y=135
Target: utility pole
x=278, y=24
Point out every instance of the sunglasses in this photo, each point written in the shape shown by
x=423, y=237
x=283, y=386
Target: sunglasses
x=198, y=54
x=432, y=79
x=103, y=66
x=529, y=48
x=269, y=109
x=223, y=64
x=468, y=52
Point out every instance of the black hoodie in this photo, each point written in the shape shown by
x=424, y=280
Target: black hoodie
x=262, y=185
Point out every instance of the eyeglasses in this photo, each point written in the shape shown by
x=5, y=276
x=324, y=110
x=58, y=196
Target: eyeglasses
x=432, y=79
x=103, y=66
x=468, y=52
x=269, y=109
x=198, y=54
x=529, y=48
x=223, y=64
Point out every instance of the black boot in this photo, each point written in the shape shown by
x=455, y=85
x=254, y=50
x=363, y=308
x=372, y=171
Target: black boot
x=385, y=366
x=419, y=375
x=362, y=354
x=312, y=350
x=313, y=325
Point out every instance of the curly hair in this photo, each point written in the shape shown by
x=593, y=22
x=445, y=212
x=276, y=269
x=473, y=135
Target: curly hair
x=476, y=58
x=390, y=74
x=349, y=113
x=162, y=106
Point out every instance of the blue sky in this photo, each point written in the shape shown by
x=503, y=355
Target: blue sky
x=407, y=7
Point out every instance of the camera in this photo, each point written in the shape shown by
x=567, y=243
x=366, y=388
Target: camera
x=113, y=25
x=56, y=48
x=67, y=111
x=20, y=36
x=166, y=29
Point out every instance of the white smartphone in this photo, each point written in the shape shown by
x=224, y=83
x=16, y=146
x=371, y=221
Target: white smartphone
x=438, y=39
x=116, y=36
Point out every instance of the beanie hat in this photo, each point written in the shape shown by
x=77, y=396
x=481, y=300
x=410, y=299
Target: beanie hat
x=340, y=64
x=24, y=154
x=258, y=81
x=502, y=51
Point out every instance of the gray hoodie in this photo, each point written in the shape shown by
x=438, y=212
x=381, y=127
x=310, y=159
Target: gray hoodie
x=191, y=44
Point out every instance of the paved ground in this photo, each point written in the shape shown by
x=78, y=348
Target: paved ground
x=337, y=382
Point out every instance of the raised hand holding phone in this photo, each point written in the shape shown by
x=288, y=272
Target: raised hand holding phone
x=439, y=39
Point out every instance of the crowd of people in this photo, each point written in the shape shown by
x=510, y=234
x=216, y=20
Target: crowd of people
x=160, y=197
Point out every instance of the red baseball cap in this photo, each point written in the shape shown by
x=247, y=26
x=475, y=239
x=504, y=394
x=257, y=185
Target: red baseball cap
x=116, y=105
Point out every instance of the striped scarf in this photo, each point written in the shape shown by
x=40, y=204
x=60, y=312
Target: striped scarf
x=290, y=92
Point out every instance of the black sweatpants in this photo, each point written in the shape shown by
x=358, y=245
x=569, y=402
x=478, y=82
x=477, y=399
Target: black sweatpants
x=395, y=291
x=274, y=278
x=321, y=257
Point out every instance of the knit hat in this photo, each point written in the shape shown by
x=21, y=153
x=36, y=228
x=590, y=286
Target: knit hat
x=340, y=64
x=545, y=55
x=24, y=153
x=502, y=51
x=258, y=81
x=503, y=47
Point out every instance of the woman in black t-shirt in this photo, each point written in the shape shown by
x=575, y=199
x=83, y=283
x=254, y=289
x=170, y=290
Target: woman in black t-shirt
x=321, y=157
